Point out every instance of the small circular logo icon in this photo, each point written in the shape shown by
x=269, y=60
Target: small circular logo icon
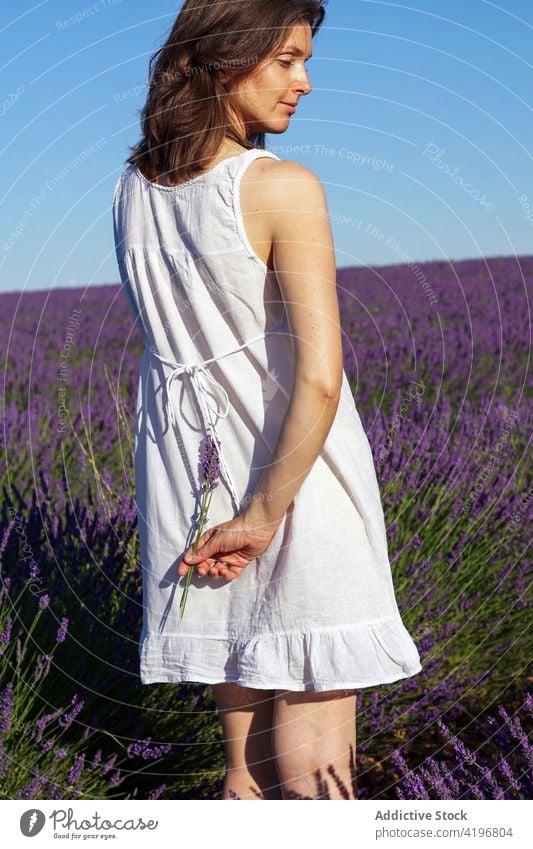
x=32, y=822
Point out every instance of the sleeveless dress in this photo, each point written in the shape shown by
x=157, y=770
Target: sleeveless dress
x=317, y=611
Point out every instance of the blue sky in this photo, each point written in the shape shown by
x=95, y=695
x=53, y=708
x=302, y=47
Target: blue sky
x=419, y=127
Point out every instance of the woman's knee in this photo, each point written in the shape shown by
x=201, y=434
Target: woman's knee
x=246, y=717
x=312, y=731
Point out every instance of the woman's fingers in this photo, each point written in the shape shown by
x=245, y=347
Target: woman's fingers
x=218, y=570
x=206, y=566
x=213, y=568
x=200, y=568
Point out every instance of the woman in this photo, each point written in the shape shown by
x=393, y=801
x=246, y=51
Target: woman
x=226, y=255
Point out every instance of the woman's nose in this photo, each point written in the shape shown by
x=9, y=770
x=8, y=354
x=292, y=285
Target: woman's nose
x=305, y=86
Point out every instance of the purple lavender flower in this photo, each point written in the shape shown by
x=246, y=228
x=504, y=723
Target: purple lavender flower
x=209, y=464
x=44, y=601
x=142, y=749
x=507, y=773
x=68, y=718
x=76, y=769
x=30, y=789
x=6, y=706
x=156, y=794
x=5, y=636
x=5, y=537
x=42, y=667
x=4, y=762
x=416, y=541
x=41, y=723
x=61, y=752
x=56, y=791
x=463, y=751
x=412, y=782
x=96, y=760
x=62, y=630
x=109, y=765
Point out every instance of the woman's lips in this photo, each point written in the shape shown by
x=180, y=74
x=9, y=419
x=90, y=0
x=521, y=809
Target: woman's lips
x=289, y=106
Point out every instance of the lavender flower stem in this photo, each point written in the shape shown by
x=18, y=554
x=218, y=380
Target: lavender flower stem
x=209, y=474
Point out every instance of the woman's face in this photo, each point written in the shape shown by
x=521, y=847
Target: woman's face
x=259, y=101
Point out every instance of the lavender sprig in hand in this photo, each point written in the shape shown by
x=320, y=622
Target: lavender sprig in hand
x=209, y=480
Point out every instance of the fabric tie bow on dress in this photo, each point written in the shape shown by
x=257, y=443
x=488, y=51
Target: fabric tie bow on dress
x=211, y=409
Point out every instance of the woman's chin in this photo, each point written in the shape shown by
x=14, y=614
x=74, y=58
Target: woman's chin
x=276, y=125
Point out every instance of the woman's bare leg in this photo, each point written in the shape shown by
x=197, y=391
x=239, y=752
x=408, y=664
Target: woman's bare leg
x=313, y=740
x=246, y=717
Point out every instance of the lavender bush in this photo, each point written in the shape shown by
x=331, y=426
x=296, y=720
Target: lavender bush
x=500, y=768
x=39, y=758
x=442, y=391
x=42, y=601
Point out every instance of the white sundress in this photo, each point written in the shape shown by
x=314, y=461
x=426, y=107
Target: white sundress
x=317, y=611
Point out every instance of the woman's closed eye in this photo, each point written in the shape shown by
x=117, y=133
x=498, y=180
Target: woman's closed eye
x=286, y=63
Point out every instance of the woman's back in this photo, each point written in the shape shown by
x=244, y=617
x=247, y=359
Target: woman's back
x=198, y=246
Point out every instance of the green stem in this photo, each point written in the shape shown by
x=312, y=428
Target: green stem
x=204, y=509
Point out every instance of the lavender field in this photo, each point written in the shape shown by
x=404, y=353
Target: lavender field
x=438, y=357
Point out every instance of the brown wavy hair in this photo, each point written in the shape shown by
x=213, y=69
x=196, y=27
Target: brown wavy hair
x=186, y=117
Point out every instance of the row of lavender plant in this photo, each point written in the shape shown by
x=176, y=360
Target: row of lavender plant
x=471, y=344
x=456, y=518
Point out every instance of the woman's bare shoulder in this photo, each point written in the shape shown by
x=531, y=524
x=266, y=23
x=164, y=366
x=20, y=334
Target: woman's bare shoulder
x=287, y=180
x=288, y=170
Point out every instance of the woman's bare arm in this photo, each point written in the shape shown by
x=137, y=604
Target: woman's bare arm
x=304, y=263
x=304, y=260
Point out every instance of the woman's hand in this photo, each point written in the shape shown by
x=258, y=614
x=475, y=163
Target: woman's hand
x=235, y=542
